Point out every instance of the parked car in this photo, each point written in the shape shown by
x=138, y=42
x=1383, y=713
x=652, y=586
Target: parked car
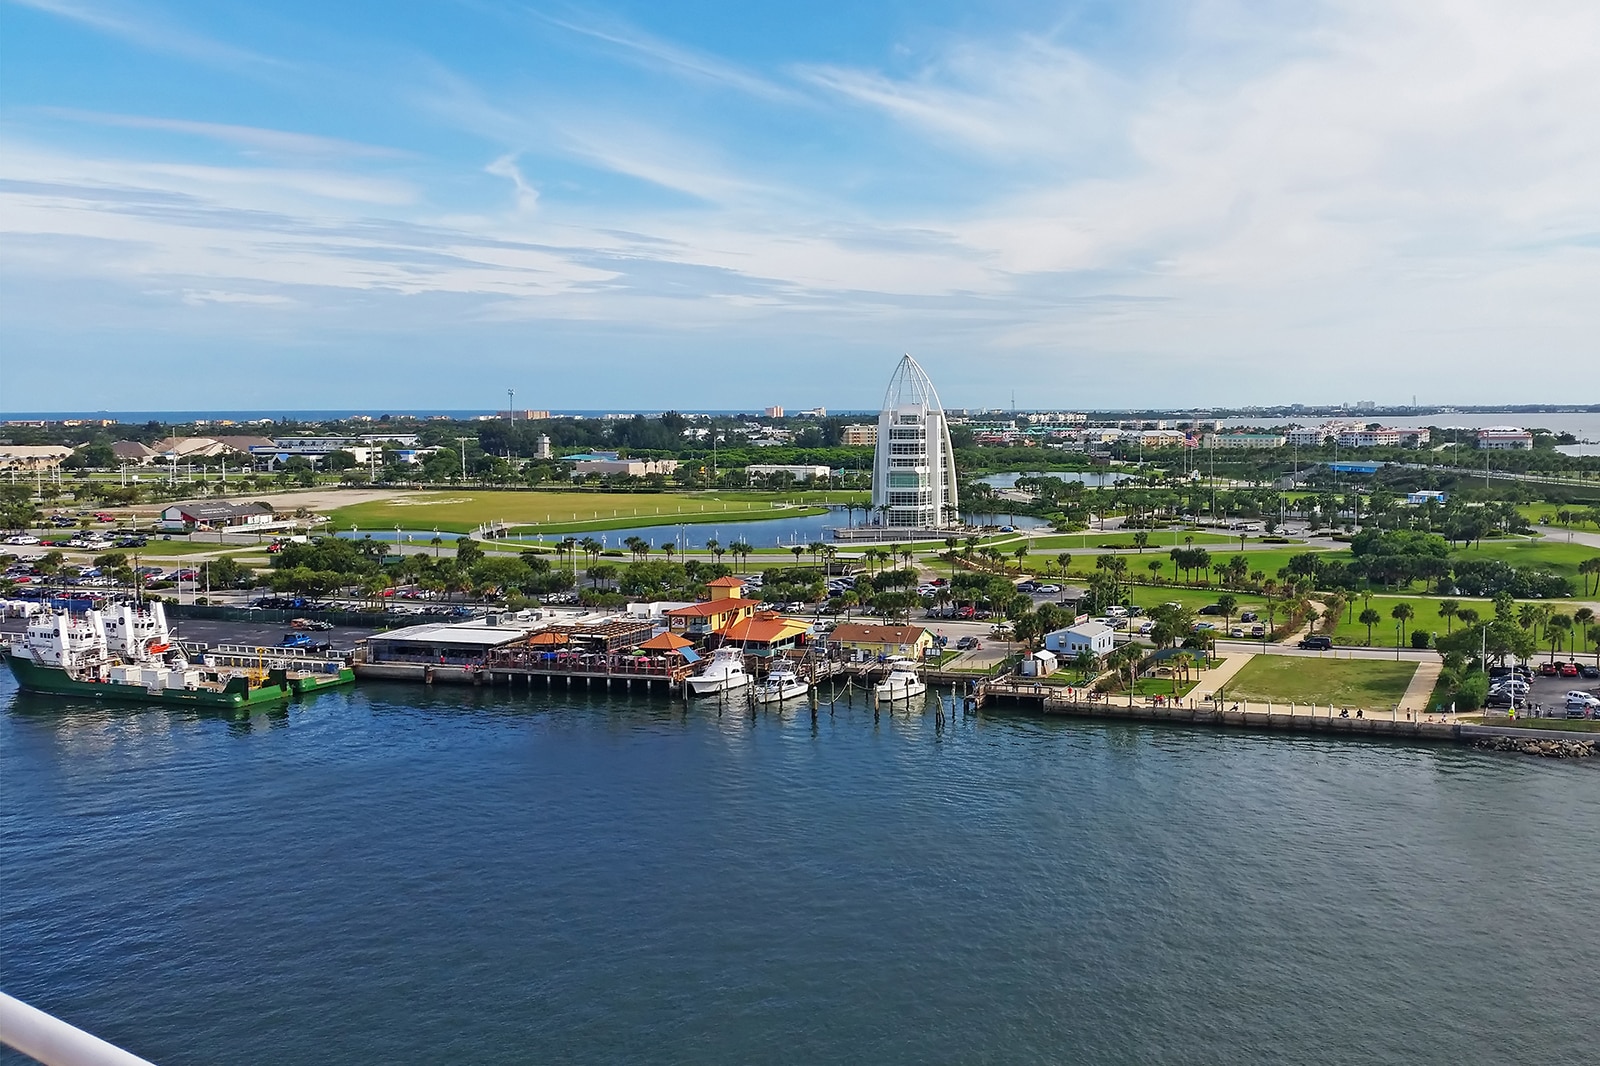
x=22, y=538
x=1549, y=670
x=1568, y=669
x=1578, y=698
x=1316, y=643
x=1210, y=608
x=1247, y=616
x=968, y=644
x=1049, y=590
x=1588, y=671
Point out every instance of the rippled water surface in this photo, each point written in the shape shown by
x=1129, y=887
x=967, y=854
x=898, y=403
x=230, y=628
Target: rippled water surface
x=393, y=875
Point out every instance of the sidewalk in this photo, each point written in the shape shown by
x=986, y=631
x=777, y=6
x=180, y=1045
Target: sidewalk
x=1216, y=678
x=1421, y=687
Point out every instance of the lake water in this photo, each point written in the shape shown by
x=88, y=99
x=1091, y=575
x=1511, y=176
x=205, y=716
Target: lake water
x=760, y=533
x=390, y=874
x=1090, y=479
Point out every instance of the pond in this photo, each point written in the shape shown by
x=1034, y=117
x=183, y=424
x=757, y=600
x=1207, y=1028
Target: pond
x=760, y=533
x=1090, y=478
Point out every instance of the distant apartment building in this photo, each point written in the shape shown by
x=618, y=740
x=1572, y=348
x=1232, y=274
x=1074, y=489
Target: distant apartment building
x=776, y=411
x=860, y=436
x=1383, y=437
x=1310, y=437
x=1245, y=440
x=1504, y=439
x=814, y=412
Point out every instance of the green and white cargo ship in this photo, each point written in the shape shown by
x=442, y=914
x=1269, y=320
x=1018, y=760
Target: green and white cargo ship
x=127, y=654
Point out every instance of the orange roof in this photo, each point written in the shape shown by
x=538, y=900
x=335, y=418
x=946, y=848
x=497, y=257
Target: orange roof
x=764, y=628
x=856, y=633
x=548, y=636
x=666, y=642
x=725, y=582
x=711, y=607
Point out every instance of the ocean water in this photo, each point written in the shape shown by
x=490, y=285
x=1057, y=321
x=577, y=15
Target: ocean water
x=389, y=874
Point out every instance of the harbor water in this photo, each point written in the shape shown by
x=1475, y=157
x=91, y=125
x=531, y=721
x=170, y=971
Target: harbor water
x=400, y=874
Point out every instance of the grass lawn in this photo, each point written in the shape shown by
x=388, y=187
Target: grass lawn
x=1426, y=617
x=553, y=512
x=1548, y=553
x=1160, y=540
x=1370, y=683
x=1157, y=686
x=1148, y=596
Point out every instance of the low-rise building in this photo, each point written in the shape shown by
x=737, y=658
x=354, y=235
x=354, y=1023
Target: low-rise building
x=216, y=514
x=32, y=456
x=1419, y=498
x=1504, y=438
x=859, y=436
x=766, y=633
x=132, y=452
x=1094, y=637
x=444, y=643
x=1245, y=440
x=623, y=467
x=798, y=472
x=712, y=617
x=863, y=641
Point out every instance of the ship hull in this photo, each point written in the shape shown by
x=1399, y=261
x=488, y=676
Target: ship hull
x=55, y=682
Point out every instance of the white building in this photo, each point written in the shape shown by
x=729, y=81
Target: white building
x=799, y=473
x=1245, y=440
x=1504, y=438
x=1067, y=643
x=914, y=465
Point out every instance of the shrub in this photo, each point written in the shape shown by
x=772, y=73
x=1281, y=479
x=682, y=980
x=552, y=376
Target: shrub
x=1421, y=638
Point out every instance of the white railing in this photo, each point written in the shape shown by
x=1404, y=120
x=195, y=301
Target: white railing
x=55, y=1043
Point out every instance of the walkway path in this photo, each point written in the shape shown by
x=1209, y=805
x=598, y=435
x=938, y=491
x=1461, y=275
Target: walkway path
x=1216, y=678
x=1421, y=687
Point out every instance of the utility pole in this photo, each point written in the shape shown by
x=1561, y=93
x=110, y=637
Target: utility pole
x=463, y=442
x=511, y=404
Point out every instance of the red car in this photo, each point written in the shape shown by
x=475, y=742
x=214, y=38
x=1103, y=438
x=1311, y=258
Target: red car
x=1568, y=669
x=1549, y=670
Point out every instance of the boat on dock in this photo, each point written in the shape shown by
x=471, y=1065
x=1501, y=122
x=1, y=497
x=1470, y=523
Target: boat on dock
x=780, y=684
x=127, y=654
x=724, y=672
x=903, y=682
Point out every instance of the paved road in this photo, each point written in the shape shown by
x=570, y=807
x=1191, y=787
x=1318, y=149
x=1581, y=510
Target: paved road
x=1412, y=655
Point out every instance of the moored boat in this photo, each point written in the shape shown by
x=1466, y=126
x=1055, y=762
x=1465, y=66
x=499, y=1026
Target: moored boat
x=127, y=654
x=724, y=672
x=902, y=683
x=781, y=683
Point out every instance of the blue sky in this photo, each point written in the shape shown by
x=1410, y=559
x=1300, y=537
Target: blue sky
x=726, y=205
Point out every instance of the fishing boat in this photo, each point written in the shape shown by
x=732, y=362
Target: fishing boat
x=127, y=654
x=724, y=672
x=781, y=683
x=902, y=683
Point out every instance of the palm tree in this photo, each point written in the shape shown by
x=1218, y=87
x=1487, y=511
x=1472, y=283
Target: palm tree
x=1154, y=566
x=712, y=544
x=1227, y=603
x=668, y=548
x=1369, y=618
x=1447, y=611
x=816, y=548
x=1021, y=552
x=1469, y=616
x=1402, y=613
x=1063, y=560
x=436, y=542
x=1141, y=540
x=1557, y=629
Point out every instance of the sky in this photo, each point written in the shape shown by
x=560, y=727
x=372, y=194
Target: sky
x=718, y=205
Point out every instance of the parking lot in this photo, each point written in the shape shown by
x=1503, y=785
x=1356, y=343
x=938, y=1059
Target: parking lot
x=1547, y=696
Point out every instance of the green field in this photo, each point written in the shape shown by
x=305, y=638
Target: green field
x=1370, y=683
x=1426, y=617
x=1160, y=540
x=554, y=512
x=1547, y=554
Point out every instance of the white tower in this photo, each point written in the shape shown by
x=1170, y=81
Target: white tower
x=914, y=468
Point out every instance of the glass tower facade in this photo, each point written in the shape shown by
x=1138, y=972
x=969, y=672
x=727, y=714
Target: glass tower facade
x=914, y=468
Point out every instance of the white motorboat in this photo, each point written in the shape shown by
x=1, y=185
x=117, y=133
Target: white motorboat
x=724, y=672
x=903, y=682
x=781, y=683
